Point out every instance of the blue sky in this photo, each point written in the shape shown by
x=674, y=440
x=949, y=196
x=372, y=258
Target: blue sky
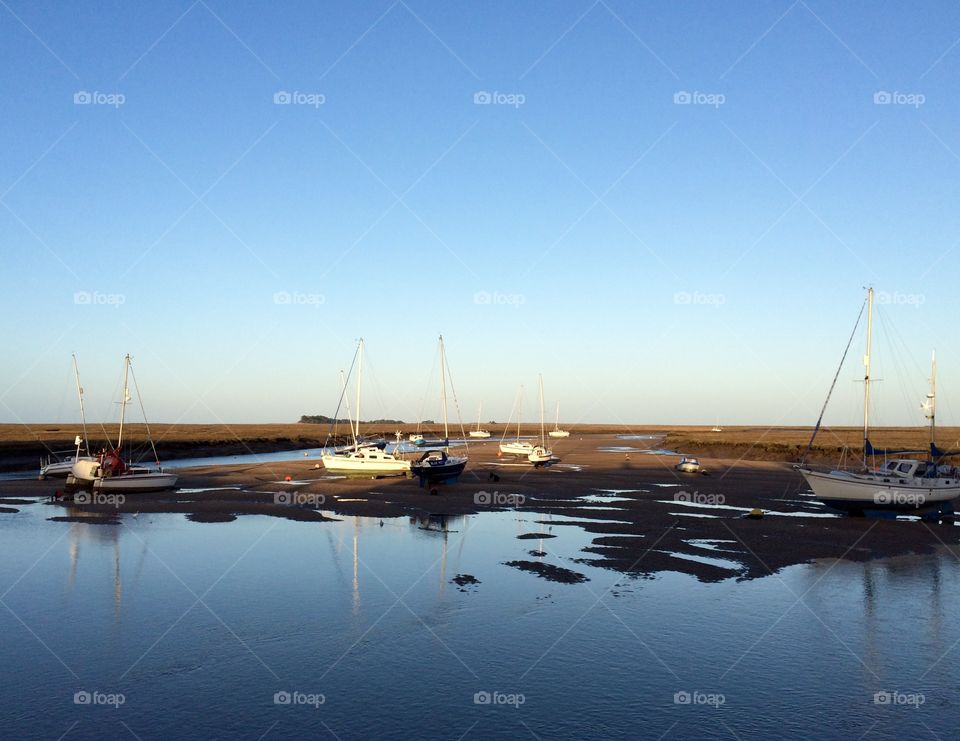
x=668, y=209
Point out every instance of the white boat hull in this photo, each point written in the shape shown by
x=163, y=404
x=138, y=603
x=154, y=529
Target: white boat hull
x=516, y=448
x=540, y=455
x=479, y=433
x=365, y=462
x=688, y=467
x=850, y=491
x=137, y=482
x=61, y=469
x=559, y=433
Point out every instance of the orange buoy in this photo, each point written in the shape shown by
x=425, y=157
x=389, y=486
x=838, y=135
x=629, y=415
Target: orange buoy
x=499, y=454
x=288, y=478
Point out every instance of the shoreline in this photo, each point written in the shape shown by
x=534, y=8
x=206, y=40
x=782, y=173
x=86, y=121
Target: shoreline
x=643, y=516
x=22, y=446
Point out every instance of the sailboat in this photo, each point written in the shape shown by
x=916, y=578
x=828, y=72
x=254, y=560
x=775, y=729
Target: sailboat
x=362, y=459
x=901, y=484
x=517, y=447
x=61, y=467
x=556, y=431
x=479, y=432
x=540, y=453
x=109, y=472
x=437, y=466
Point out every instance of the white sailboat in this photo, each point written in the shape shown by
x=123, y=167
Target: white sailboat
x=363, y=459
x=540, y=453
x=61, y=467
x=901, y=484
x=518, y=446
x=109, y=472
x=480, y=433
x=556, y=431
x=436, y=466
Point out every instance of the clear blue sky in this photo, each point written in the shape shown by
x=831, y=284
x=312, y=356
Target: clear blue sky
x=582, y=200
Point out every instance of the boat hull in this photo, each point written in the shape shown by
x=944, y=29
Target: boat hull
x=431, y=472
x=518, y=448
x=126, y=483
x=559, y=433
x=480, y=434
x=368, y=464
x=61, y=469
x=852, y=492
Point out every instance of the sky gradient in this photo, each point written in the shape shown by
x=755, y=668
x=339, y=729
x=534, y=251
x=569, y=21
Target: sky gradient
x=668, y=209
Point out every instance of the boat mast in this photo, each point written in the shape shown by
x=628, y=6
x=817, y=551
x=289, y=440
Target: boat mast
x=556, y=424
x=931, y=405
x=443, y=390
x=866, y=373
x=123, y=402
x=519, y=411
x=543, y=436
x=356, y=433
x=83, y=415
x=479, y=414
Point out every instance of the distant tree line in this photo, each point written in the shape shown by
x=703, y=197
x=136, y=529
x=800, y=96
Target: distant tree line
x=321, y=419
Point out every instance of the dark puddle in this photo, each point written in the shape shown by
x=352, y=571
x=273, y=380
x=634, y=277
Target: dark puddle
x=537, y=554
x=465, y=581
x=17, y=501
x=211, y=517
x=535, y=536
x=8, y=510
x=95, y=520
x=549, y=571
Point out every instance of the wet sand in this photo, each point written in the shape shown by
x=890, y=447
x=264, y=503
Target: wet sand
x=644, y=516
